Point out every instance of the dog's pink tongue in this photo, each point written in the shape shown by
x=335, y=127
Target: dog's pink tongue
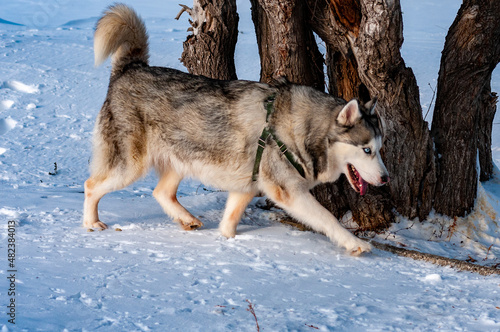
x=362, y=186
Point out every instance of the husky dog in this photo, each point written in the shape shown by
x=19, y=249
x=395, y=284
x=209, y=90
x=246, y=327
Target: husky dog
x=192, y=126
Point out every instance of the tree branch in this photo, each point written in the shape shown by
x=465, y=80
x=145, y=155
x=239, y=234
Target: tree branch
x=437, y=260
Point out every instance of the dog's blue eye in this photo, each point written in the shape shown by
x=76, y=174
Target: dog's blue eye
x=367, y=150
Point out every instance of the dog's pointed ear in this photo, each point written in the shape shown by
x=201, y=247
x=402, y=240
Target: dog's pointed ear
x=350, y=114
x=370, y=106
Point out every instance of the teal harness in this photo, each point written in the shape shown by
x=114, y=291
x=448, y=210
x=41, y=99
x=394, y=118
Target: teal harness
x=268, y=131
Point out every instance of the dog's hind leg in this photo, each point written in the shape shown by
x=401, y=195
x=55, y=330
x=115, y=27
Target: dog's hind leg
x=165, y=194
x=235, y=206
x=98, y=186
x=303, y=206
x=93, y=194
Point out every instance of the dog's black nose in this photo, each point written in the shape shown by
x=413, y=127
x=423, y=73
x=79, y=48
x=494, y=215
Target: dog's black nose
x=384, y=179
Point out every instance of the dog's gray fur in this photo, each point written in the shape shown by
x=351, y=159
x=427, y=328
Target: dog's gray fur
x=192, y=126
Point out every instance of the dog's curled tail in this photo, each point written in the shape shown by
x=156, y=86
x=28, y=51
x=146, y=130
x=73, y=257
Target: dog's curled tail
x=122, y=34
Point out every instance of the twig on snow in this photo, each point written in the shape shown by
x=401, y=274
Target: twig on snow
x=312, y=326
x=252, y=311
x=55, y=170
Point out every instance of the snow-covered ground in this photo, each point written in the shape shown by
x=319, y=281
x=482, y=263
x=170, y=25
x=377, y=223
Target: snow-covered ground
x=151, y=276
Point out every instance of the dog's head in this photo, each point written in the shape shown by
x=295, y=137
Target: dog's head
x=359, y=143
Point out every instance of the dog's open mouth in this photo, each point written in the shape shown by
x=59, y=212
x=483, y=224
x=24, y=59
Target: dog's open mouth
x=356, y=180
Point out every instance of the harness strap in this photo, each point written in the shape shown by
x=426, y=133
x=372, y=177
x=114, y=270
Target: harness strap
x=266, y=132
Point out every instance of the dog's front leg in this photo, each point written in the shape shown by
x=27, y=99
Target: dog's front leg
x=235, y=206
x=166, y=194
x=303, y=206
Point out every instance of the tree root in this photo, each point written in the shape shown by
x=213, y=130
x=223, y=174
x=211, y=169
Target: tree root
x=413, y=254
x=435, y=259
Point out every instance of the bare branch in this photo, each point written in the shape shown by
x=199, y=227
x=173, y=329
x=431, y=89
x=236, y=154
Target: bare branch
x=184, y=9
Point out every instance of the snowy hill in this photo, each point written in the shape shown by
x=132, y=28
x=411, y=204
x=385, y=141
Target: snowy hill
x=152, y=276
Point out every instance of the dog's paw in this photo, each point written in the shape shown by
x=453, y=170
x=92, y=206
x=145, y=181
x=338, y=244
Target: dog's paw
x=359, y=247
x=228, y=232
x=190, y=224
x=97, y=224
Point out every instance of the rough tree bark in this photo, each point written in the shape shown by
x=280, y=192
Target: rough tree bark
x=333, y=20
x=488, y=108
x=408, y=145
x=286, y=45
x=209, y=51
x=284, y=26
x=364, y=38
x=465, y=105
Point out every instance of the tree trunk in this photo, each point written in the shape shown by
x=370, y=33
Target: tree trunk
x=280, y=25
x=408, y=145
x=465, y=107
x=333, y=21
x=343, y=76
x=488, y=108
x=286, y=45
x=209, y=51
x=367, y=63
